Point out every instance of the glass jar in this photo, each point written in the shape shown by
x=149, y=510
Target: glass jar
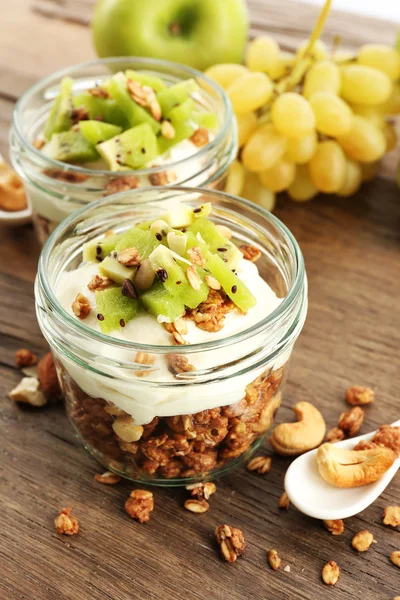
x=184, y=425
x=56, y=189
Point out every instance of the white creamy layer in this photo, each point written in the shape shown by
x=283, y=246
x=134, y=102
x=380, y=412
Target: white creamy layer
x=144, y=401
x=54, y=210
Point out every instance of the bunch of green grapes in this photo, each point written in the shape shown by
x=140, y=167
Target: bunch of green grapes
x=310, y=122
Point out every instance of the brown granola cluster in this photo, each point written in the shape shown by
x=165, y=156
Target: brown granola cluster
x=387, y=436
x=231, y=542
x=65, y=523
x=184, y=446
x=139, y=505
x=210, y=314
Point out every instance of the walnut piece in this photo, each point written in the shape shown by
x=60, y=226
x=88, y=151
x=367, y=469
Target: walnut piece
x=196, y=506
x=81, y=306
x=162, y=178
x=121, y=184
x=335, y=527
x=260, y=464
x=47, y=375
x=129, y=257
x=358, y=394
x=351, y=421
x=28, y=392
x=231, y=542
x=139, y=505
x=202, y=490
x=335, y=435
x=25, y=358
x=330, y=573
x=284, y=501
x=391, y=516
x=99, y=282
x=65, y=523
x=200, y=137
x=251, y=253
x=108, y=478
x=67, y=176
x=363, y=540
x=177, y=363
x=274, y=560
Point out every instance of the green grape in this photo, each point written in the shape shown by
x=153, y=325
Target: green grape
x=302, y=150
x=352, y=179
x=235, y=179
x=302, y=188
x=364, y=85
x=246, y=124
x=324, y=76
x=279, y=177
x=292, y=115
x=285, y=64
x=250, y=92
x=328, y=167
x=381, y=57
x=392, y=104
x=255, y=192
x=333, y=116
x=263, y=55
x=264, y=148
x=226, y=74
x=318, y=52
x=364, y=142
x=373, y=114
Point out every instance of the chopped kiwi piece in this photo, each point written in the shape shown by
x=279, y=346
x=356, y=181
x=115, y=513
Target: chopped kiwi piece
x=218, y=244
x=161, y=303
x=176, y=94
x=59, y=118
x=173, y=276
x=111, y=268
x=233, y=286
x=114, y=310
x=146, y=79
x=144, y=241
x=182, y=112
x=117, y=88
x=101, y=109
x=183, y=131
x=70, y=146
x=205, y=119
x=99, y=249
x=202, y=211
x=96, y=131
x=132, y=149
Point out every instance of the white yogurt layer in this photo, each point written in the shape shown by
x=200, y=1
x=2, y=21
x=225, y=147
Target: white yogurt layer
x=144, y=401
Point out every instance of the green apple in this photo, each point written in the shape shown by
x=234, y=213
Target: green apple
x=199, y=33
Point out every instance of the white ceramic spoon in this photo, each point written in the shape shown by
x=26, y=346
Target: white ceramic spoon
x=316, y=498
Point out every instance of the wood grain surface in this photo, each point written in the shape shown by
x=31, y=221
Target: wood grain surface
x=352, y=335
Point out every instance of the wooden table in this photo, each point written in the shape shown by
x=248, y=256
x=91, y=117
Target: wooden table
x=352, y=335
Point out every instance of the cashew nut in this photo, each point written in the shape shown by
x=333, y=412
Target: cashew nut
x=290, y=439
x=353, y=468
x=126, y=430
x=28, y=391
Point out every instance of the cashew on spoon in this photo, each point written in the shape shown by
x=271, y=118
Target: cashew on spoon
x=291, y=439
x=353, y=468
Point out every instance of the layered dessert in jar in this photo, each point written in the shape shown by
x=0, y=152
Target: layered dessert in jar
x=172, y=329
x=114, y=125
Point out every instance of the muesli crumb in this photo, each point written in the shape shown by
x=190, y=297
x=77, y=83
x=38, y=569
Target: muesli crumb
x=65, y=523
x=231, y=542
x=25, y=358
x=139, y=505
x=108, y=478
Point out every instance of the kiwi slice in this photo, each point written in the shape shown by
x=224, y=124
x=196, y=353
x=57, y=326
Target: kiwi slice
x=217, y=243
x=70, y=146
x=183, y=131
x=59, y=118
x=232, y=285
x=176, y=94
x=161, y=303
x=182, y=112
x=101, y=109
x=111, y=268
x=205, y=119
x=99, y=249
x=173, y=276
x=117, y=88
x=132, y=149
x=146, y=79
x=114, y=310
x=96, y=131
x=144, y=241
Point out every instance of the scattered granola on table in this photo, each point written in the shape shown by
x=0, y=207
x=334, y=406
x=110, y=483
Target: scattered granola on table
x=358, y=394
x=362, y=540
x=351, y=421
x=28, y=391
x=108, y=478
x=139, y=505
x=274, y=560
x=395, y=558
x=284, y=501
x=335, y=527
x=231, y=542
x=201, y=490
x=25, y=358
x=391, y=516
x=330, y=573
x=196, y=506
x=260, y=464
x=335, y=435
x=65, y=523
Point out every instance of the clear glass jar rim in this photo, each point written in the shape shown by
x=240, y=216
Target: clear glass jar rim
x=149, y=62
x=298, y=285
